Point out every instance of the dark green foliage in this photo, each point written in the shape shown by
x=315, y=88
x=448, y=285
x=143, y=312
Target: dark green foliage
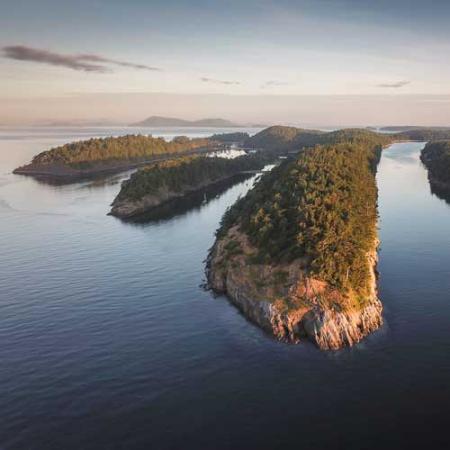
x=290, y=139
x=436, y=156
x=130, y=147
x=283, y=139
x=230, y=137
x=176, y=175
x=424, y=134
x=358, y=136
x=321, y=207
x=233, y=248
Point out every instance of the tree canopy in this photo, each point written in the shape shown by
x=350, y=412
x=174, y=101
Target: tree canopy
x=436, y=157
x=322, y=207
x=290, y=139
x=127, y=147
x=176, y=175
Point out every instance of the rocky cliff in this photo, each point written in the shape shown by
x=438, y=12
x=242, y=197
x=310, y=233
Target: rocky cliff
x=283, y=300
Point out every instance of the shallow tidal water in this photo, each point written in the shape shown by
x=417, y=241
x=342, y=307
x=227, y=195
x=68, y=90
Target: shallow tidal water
x=108, y=341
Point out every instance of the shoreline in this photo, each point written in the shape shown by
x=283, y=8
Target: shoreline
x=128, y=209
x=65, y=174
x=308, y=316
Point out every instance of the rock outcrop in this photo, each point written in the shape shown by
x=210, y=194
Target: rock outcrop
x=283, y=300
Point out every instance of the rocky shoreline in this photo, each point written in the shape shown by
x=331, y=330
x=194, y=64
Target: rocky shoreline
x=302, y=308
x=128, y=208
x=65, y=174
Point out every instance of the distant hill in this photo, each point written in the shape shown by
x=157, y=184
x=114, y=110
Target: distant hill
x=425, y=134
x=407, y=128
x=157, y=121
x=282, y=138
x=290, y=139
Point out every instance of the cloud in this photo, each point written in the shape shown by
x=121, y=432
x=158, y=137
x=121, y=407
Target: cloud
x=23, y=53
x=395, y=84
x=83, y=62
x=101, y=59
x=212, y=80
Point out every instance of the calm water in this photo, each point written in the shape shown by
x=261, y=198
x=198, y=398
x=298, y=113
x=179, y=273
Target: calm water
x=109, y=342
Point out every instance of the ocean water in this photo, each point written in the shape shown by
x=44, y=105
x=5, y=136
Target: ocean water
x=108, y=340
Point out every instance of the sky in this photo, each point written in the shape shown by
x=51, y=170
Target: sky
x=322, y=62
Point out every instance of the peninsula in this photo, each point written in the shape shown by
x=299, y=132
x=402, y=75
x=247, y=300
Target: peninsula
x=100, y=156
x=283, y=139
x=159, y=183
x=297, y=255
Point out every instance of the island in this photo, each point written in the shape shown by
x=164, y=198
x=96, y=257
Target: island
x=423, y=134
x=100, y=156
x=288, y=140
x=436, y=158
x=161, y=182
x=283, y=139
x=157, y=121
x=298, y=254
x=96, y=157
x=231, y=138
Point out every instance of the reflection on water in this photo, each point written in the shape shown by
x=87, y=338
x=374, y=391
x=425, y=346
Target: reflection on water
x=107, y=340
x=190, y=202
x=439, y=190
x=411, y=156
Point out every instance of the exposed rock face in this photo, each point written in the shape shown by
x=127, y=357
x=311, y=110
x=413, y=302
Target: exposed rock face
x=127, y=207
x=287, y=303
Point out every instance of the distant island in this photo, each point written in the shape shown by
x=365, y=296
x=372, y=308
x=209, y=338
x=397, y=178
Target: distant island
x=436, y=157
x=157, y=121
x=297, y=255
x=99, y=156
x=419, y=133
x=161, y=182
x=398, y=128
x=283, y=139
x=291, y=139
x=231, y=138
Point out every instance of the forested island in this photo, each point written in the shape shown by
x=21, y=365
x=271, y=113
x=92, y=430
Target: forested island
x=290, y=139
x=414, y=129
x=297, y=255
x=436, y=157
x=161, y=182
x=99, y=156
x=231, y=138
x=424, y=134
